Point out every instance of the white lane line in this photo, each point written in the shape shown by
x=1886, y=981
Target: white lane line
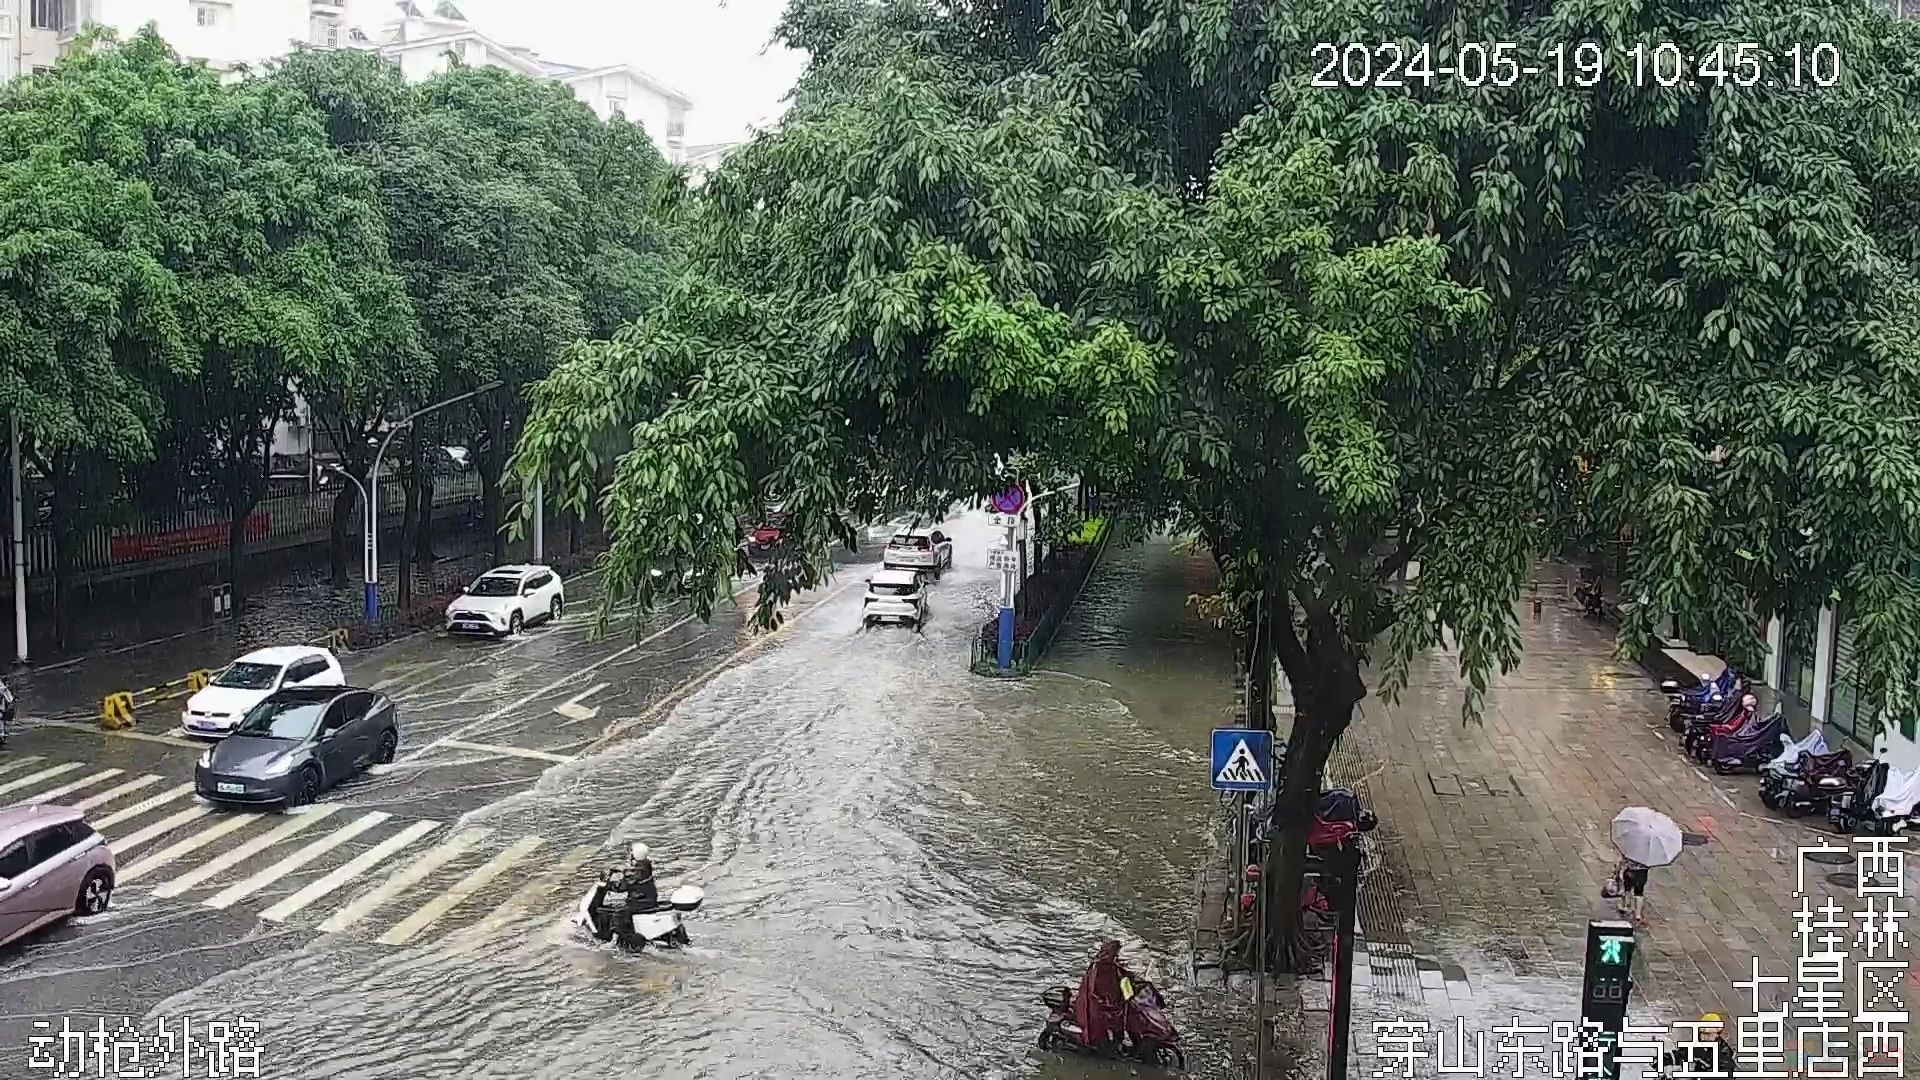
x=158, y=829
x=234, y=823
x=235, y=893
x=405, y=879
x=556, y=684
x=411, y=671
x=573, y=710
x=509, y=751
x=537, y=889
x=9, y=764
x=142, y=807
x=436, y=909
x=213, y=868
x=43, y=775
x=348, y=871
x=68, y=789
x=123, y=733
x=113, y=793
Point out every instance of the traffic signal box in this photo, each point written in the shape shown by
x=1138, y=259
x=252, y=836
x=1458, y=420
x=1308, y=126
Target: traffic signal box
x=1605, y=991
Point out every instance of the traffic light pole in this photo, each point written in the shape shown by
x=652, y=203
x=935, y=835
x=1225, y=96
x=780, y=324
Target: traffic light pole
x=1605, y=991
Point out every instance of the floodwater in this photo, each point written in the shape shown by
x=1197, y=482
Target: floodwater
x=899, y=857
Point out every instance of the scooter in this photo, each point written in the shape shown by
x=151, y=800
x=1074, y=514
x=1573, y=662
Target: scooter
x=1749, y=746
x=1151, y=1037
x=610, y=914
x=1811, y=784
x=1708, y=698
x=1853, y=810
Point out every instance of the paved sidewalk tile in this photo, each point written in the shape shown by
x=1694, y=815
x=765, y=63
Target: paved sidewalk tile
x=1494, y=845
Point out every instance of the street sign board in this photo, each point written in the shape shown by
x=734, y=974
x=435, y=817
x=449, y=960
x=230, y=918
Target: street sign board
x=1003, y=559
x=1242, y=759
x=1011, y=501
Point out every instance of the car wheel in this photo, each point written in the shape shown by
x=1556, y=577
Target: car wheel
x=389, y=746
x=553, y=610
x=306, y=789
x=96, y=892
x=513, y=624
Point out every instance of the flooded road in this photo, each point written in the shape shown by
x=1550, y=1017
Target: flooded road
x=899, y=856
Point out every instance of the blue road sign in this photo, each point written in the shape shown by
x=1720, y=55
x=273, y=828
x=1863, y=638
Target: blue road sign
x=1242, y=759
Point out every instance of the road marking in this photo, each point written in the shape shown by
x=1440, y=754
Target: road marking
x=44, y=774
x=213, y=868
x=113, y=793
x=405, y=879
x=123, y=733
x=510, y=751
x=234, y=823
x=11, y=764
x=347, y=872
x=410, y=671
x=142, y=807
x=437, y=908
x=68, y=789
x=537, y=889
x=573, y=710
x=235, y=893
x=556, y=684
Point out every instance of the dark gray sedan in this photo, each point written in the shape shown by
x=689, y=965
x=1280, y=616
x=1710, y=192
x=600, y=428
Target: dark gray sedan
x=298, y=743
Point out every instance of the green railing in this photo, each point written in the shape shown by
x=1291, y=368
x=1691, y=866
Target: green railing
x=1061, y=585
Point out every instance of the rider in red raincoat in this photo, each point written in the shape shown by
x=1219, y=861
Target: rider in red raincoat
x=1101, y=1004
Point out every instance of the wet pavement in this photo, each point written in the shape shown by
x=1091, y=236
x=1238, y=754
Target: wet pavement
x=1494, y=844
x=899, y=856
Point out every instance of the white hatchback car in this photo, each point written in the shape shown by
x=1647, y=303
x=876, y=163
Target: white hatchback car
x=506, y=598
x=213, y=711
x=895, y=596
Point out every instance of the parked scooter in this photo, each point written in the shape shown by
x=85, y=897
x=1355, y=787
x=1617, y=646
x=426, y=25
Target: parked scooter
x=1697, y=741
x=1151, y=1036
x=1708, y=698
x=1811, y=785
x=1751, y=744
x=1858, y=810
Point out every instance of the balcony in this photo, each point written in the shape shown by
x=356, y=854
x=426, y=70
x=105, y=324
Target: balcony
x=333, y=8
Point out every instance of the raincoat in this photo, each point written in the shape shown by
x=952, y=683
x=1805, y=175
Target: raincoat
x=1101, y=1005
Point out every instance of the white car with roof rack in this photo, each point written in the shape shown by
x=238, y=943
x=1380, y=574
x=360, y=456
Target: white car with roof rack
x=507, y=598
x=929, y=552
x=231, y=693
x=895, y=596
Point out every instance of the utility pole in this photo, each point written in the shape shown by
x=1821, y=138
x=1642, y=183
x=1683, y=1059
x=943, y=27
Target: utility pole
x=19, y=550
x=539, y=519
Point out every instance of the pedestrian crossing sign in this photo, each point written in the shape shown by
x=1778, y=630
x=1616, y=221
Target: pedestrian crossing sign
x=1242, y=759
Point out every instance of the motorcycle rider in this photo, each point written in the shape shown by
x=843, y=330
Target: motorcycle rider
x=6, y=710
x=1709, y=1054
x=1101, y=1005
x=636, y=879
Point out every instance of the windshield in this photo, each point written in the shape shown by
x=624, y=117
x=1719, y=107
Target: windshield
x=282, y=719
x=918, y=543
x=895, y=590
x=495, y=586
x=242, y=676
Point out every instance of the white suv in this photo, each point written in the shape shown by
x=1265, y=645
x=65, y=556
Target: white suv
x=928, y=553
x=506, y=598
x=895, y=596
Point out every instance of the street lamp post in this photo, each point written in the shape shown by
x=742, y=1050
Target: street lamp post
x=370, y=567
x=371, y=493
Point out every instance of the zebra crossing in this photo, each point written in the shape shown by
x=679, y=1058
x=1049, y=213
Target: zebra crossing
x=390, y=880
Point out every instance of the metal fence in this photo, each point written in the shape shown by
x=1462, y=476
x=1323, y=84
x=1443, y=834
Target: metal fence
x=193, y=536
x=1044, y=599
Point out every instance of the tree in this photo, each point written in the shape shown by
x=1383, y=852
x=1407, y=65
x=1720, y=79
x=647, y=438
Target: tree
x=1331, y=332
x=90, y=323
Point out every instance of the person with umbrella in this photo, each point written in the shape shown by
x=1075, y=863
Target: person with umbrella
x=1644, y=838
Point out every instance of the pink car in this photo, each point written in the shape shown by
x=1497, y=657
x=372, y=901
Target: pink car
x=52, y=865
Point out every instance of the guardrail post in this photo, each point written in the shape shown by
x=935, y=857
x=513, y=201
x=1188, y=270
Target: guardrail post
x=116, y=711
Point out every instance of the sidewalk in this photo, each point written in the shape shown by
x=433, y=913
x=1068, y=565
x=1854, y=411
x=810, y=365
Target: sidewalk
x=1493, y=846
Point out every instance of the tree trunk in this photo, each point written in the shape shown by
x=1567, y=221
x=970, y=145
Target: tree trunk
x=240, y=494
x=1260, y=661
x=423, y=553
x=337, y=539
x=65, y=539
x=573, y=533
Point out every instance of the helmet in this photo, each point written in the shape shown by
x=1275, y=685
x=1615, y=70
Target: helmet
x=1710, y=1018
x=639, y=852
x=1368, y=821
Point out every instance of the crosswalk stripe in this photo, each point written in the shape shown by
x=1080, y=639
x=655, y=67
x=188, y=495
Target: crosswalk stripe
x=233, y=894
x=404, y=879
x=214, y=867
x=234, y=823
x=143, y=806
x=436, y=909
x=537, y=889
x=10, y=763
x=348, y=871
x=113, y=793
x=158, y=829
x=44, y=774
x=68, y=789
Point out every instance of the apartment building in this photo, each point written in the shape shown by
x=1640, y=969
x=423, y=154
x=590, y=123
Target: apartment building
x=422, y=40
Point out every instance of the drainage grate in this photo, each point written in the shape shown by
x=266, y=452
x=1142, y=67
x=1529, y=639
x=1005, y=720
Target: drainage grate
x=1694, y=839
x=1829, y=858
x=1453, y=786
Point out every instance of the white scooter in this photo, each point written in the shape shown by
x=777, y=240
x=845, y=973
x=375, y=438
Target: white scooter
x=609, y=915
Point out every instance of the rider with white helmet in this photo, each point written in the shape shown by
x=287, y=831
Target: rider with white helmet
x=637, y=878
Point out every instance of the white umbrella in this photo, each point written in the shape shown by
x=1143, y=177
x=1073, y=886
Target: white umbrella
x=1645, y=836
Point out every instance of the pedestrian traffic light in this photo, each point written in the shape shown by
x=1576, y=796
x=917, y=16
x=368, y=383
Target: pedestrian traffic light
x=1605, y=991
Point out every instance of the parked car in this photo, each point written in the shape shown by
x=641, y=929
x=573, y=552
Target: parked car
x=237, y=688
x=52, y=865
x=929, y=553
x=297, y=744
x=895, y=596
x=505, y=599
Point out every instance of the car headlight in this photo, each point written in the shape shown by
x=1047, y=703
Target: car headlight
x=206, y=760
x=280, y=766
